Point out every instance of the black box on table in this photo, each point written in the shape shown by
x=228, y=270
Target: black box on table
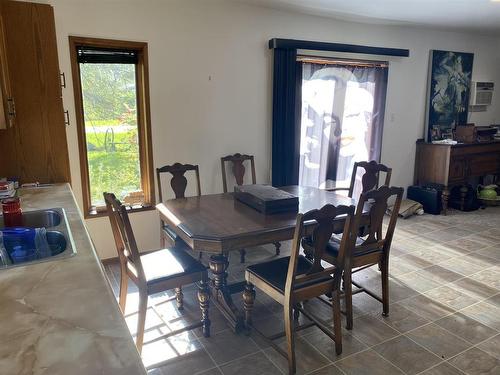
x=266, y=198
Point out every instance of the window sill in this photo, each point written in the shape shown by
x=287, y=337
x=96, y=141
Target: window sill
x=103, y=212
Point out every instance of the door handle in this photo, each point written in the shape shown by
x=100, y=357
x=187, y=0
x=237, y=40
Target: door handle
x=66, y=118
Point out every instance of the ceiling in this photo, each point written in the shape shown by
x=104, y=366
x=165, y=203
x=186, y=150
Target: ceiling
x=467, y=15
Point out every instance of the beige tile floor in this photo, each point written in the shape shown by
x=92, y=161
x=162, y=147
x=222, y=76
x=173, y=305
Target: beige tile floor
x=444, y=314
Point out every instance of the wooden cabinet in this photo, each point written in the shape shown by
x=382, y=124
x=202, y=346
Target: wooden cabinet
x=4, y=114
x=34, y=148
x=455, y=165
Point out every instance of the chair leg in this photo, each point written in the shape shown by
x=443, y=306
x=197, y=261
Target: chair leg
x=384, y=268
x=123, y=290
x=242, y=255
x=248, y=301
x=290, y=339
x=337, y=322
x=141, y=319
x=308, y=254
x=179, y=296
x=277, y=245
x=348, y=297
x=204, y=300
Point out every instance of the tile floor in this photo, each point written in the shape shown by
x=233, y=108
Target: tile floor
x=444, y=315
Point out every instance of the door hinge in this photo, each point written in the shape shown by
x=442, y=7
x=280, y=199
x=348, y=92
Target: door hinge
x=66, y=118
x=63, y=80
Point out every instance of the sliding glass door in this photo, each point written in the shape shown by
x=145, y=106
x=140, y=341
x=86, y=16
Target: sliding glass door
x=341, y=119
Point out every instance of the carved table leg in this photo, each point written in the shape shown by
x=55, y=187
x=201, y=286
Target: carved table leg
x=309, y=253
x=248, y=301
x=277, y=245
x=221, y=292
x=463, y=194
x=204, y=299
x=296, y=312
x=218, y=265
x=444, y=198
x=179, y=296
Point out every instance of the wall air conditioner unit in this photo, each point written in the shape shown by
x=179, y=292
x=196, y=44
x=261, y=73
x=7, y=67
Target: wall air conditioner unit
x=481, y=93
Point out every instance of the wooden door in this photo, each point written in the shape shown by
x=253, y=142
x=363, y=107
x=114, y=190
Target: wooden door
x=37, y=143
x=6, y=104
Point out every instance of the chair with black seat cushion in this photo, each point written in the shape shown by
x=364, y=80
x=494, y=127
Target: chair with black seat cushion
x=294, y=279
x=154, y=272
x=373, y=248
x=238, y=168
x=178, y=183
x=370, y=178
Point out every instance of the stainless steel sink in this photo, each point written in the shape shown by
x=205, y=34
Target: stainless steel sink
x=58, y=233
x=39, y=219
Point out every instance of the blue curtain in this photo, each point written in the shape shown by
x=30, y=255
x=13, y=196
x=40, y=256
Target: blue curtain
x=286, y=118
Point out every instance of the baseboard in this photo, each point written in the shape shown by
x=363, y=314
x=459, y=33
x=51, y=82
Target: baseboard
x=110, y=261
x=116, y=260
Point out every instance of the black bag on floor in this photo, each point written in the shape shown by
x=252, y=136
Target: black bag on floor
x=429, y=196
x=471, y=202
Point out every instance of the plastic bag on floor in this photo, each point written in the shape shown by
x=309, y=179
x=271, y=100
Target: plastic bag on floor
x=408, y=208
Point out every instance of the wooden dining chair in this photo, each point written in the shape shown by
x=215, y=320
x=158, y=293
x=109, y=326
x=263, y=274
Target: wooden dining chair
x=291, y=280
x=373, y=248
x=238, y=168
x=178, y=182
x=154, y=272
x=370, y=178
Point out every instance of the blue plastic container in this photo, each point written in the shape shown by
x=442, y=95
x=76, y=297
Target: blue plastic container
x=21, y=254
x=25, y=244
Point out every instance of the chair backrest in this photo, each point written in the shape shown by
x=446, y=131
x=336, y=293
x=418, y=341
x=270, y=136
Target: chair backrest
x=238, y=168
x=178, y=181
x=318, y=239
x=377, y=201
x=126, y=245
x=370, y=178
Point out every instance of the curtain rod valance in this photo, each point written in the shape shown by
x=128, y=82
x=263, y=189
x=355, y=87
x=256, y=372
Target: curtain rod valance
x=342, y=62
x=277, y=43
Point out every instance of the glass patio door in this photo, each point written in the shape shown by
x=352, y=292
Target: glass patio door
x=341, y=121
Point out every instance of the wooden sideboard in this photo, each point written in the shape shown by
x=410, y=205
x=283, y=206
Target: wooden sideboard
x=455, y=165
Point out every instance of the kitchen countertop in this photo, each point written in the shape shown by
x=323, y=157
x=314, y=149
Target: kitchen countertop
x=61, y=317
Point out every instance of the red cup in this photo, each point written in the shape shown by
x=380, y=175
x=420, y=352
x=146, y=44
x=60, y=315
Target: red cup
x=12, y=213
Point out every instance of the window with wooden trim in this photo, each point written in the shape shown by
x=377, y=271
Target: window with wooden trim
x=110, y=81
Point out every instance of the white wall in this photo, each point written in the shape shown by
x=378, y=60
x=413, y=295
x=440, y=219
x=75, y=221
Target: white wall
x=197, y=120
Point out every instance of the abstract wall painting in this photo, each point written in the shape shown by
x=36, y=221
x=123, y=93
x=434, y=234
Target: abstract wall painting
x=448, y=92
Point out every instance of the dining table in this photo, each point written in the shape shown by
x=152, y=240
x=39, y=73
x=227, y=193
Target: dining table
x=217, y=224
